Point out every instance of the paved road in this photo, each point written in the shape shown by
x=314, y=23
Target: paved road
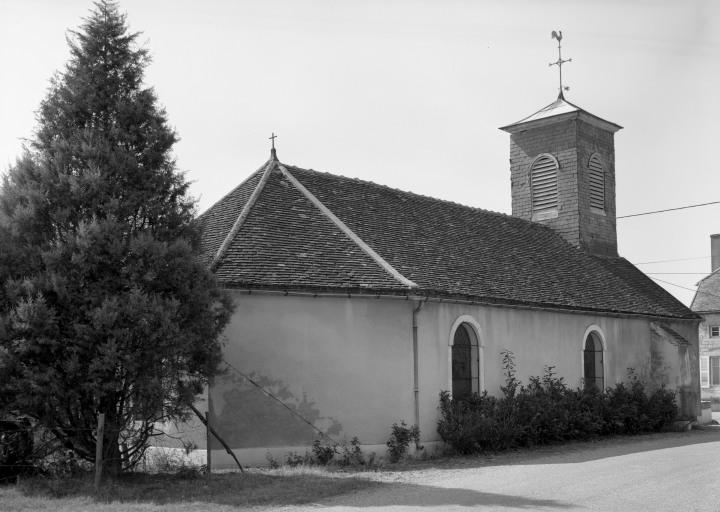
x=655, y=473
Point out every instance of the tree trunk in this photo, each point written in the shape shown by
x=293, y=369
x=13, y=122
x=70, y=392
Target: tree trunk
x=112, y=463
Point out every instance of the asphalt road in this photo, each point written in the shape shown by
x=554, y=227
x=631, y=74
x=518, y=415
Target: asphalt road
x=675, y=471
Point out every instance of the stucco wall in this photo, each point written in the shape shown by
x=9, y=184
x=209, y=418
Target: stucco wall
x=546, y=338
x=346, y=364
x=343, y=363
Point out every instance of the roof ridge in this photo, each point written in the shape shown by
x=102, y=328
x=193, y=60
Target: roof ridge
x=410, y=193
x=259, y=169
x=346, y=230
x=269, y=165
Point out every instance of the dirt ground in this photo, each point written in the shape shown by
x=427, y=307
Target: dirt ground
x=672, y=471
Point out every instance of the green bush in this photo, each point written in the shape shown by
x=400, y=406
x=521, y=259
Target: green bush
x=547, y=411
x=400, y=438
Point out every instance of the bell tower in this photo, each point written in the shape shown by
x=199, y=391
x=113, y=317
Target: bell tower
x=562, y=172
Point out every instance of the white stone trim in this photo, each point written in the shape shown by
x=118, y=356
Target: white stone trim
x=346, y=230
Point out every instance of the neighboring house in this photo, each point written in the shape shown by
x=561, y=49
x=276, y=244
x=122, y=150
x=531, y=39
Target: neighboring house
x=356, y=303
x=706, y=303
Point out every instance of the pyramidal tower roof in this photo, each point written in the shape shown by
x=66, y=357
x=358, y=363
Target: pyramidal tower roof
x=557, y=111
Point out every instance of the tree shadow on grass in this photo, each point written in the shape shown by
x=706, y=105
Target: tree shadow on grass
x=259, y=488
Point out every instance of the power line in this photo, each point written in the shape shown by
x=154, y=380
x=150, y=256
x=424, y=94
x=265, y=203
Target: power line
x=701, y=292
x=674, y=273
x=669, y=261
x=684, y=287
x=668, y=210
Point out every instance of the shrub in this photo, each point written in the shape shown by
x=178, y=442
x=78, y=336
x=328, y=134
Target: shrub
x=400, y=438
x=547, y=411
x=323, y=454
x=351, y=455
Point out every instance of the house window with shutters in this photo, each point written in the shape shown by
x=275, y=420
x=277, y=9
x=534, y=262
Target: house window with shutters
x=596, y=182
x=709, y=371
x=544, y=187
x=714, y=331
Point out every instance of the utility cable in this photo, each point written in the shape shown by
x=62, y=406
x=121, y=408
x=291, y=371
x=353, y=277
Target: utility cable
x=673, y=260
x=667, y=210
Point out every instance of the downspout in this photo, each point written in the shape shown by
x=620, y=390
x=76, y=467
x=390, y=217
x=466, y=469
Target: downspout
x=416, y=386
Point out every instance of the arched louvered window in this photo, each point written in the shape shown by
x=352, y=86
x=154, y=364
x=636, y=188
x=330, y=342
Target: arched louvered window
x=597, y=183
x=544, y=184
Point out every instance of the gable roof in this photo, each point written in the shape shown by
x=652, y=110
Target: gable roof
x=309, y=230
x=707, y=295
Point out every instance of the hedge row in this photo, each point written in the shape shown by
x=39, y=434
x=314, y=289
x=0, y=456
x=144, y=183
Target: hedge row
x=546, y=411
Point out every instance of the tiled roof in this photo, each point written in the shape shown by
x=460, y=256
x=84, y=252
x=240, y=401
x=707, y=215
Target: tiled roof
x=707, y=296
x=443, y=248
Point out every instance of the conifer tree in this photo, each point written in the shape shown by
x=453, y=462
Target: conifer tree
x=105, y=306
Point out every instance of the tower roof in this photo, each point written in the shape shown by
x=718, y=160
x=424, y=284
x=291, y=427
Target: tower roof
x=559, y=110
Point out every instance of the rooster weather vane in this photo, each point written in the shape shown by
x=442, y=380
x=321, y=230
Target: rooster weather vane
x=558, y=35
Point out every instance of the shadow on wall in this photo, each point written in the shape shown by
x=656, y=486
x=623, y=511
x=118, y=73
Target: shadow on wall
x=251, y=419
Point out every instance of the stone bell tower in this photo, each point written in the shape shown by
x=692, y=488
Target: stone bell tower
x=562, y=172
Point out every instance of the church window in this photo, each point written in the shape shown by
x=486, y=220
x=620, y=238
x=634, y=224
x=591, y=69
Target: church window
x=465, y=363
x=593, y=373
x=544, y=184
x=715, y=331
x=596, y=178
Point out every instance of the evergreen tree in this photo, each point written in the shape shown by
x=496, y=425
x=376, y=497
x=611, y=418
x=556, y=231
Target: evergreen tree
x=105, y=306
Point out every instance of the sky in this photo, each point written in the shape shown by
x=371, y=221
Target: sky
x=410, y=94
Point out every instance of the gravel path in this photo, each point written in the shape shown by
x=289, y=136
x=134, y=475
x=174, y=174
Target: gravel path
x=673, y=471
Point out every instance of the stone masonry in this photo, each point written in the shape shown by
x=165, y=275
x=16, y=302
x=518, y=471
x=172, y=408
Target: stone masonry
x=572, y=142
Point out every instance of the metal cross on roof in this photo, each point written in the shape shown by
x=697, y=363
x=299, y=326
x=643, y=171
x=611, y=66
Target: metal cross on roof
x=272, y=138
x=558, y=35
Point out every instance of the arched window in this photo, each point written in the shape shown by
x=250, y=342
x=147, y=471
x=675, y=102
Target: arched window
x=544, y=184
x=593, y=373
x=596, y=180
x=465, y=363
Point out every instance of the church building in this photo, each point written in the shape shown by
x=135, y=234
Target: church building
x=357, y=304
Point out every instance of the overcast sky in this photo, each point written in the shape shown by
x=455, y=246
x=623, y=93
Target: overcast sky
x=410, y=94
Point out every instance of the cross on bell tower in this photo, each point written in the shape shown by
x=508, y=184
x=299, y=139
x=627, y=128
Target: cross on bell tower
x=558, y=35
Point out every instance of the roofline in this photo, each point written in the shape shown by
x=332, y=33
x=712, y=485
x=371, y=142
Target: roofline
x=589, y=118
x=346, y=230
x=716, y=271
x=220, y=254
x=430, y=295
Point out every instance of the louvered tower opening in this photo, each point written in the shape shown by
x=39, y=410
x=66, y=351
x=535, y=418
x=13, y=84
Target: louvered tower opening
x=597, y=183
x=544, y=184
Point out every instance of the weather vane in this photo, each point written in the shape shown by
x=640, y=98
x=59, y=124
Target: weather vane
x=558, y=35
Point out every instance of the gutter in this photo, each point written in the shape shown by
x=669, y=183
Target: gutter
x=416, y=374
x=409, y=295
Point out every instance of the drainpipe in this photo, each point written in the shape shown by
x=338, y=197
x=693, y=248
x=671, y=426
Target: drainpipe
x=416, y=388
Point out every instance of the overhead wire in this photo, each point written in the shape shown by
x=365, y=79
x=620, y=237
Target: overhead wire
x=667, y=210
x=672, y=260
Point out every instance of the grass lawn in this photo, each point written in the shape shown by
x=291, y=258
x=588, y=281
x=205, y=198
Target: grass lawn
x=155, y=493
